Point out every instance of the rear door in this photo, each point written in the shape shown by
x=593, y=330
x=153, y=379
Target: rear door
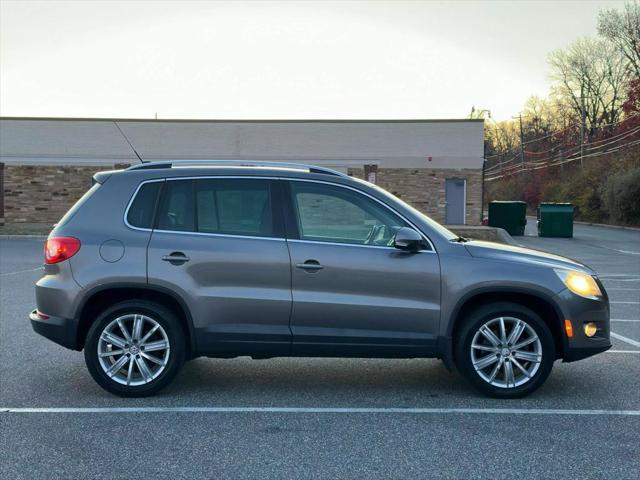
x=353, y=293
x=219, y=243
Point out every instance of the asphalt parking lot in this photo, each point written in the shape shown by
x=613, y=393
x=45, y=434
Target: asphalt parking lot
x=323, y=418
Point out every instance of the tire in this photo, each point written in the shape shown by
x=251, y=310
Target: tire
x=137, y=371
x=494, y=370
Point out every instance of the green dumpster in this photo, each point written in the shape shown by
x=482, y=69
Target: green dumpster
x=512, y=216
x=555, y=220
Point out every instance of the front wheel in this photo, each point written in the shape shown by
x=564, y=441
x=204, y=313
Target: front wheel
x=135, y=348
x=505, y=350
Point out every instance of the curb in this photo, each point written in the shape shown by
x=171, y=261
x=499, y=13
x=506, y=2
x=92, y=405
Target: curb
x=501, y=235
x=504, y=237
x=620, y=227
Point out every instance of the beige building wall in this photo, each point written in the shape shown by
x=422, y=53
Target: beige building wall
x=48, y=163
x=424, y=189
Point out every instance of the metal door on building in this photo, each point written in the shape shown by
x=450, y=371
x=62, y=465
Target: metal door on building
x=455, y=197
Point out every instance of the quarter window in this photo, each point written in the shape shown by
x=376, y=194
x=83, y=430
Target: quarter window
x=143, y=206
x=334, y=214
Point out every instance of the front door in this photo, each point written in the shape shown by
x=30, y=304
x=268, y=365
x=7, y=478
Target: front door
x=455, y=198
x=219, y=243
x=353, y=293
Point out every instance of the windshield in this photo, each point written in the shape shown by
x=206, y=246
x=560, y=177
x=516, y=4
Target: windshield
x=446, y=233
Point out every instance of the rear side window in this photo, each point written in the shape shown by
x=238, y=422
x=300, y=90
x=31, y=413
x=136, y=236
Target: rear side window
x=143, y=206
x=234, y=207
x=222, y=206
x=176, y=210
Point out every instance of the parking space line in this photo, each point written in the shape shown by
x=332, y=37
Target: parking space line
x=623, y=351
x=625, y=339
x=627, y=303
x=627, y=320
x=618, y=275
x=626, y=252
x=331, y=410
x=20, y=271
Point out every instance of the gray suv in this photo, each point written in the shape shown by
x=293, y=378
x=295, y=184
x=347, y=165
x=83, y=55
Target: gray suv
x=168, y=261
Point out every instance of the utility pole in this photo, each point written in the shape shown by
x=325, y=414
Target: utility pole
x=521, y=143
x=583, y=127
x=561, y=163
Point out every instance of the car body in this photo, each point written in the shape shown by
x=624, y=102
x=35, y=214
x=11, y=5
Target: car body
x=266, y=260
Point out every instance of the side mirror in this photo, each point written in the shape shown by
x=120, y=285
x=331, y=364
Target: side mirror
x=408, y=239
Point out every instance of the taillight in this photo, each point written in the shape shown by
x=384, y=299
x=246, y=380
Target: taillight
x=58, y=249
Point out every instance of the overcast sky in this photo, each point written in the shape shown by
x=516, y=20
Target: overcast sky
x=300, y=60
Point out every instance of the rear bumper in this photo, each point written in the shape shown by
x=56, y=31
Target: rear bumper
x=63, y=331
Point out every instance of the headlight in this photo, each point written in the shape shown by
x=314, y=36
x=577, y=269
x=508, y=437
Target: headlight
x=580, y=283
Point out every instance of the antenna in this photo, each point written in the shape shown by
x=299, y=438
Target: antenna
x=125, y=137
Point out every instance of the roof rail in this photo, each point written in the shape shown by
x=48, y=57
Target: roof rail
x=235, y=163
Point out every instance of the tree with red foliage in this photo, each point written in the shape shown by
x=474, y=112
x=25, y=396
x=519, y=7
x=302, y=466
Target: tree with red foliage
x=631, y=106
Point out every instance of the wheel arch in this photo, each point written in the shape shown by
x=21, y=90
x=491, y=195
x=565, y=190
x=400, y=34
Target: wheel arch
x=101, y=297
x=541, y=303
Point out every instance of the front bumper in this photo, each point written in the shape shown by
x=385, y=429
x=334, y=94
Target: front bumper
x=63, y=331
x=580, y=311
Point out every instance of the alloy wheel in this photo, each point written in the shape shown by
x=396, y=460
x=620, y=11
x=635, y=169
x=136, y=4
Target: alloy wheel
x=133, y=349
x=506, y=352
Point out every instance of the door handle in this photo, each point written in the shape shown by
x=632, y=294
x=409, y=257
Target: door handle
x=310, y=265
x=175, y=258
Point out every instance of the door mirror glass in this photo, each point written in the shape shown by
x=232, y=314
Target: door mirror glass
x=408, y=239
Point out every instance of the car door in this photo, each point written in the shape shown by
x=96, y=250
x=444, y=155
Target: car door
x=354, y=294
x=219, y=243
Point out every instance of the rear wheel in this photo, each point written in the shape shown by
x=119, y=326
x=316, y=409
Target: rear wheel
x=135, y=348
x=505, y=350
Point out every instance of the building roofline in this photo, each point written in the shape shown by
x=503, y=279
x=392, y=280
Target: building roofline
x=238, y=120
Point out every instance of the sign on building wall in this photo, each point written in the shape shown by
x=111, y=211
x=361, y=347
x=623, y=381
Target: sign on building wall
x=371, y=173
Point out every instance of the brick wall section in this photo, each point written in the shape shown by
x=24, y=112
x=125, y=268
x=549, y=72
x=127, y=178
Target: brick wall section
x=1, y=193
x=424, y=188
x=42, y=194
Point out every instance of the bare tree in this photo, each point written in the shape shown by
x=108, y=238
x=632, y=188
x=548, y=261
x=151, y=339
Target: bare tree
x=622, y=28
x=541, y=117
x=590, y=74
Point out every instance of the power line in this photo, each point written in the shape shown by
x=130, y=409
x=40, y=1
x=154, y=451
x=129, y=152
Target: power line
x=583, y=149
x=537, y=139
x=559, y=162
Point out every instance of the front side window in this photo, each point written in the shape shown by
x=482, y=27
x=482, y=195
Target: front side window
x=328, y=213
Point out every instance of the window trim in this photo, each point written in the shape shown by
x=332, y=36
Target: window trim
x=282, y=201
x=279, y=234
